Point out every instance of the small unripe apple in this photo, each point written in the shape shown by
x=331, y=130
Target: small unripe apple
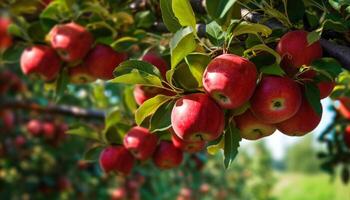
x=72, y=41
x=167, y=156
x=197, y=117
x=140, y=142
x=251, y=128
x=7, y=119
x=230, y=80
x=102, y=60
x=117, y=159
x=5, y=37
x=40, y=60
x=143, y=93
x=303, y=122
x=190, y=147
x=157, y=61
x=347, y=136
x=295, y=50
x=49, y=130
x=80, y=75
x=34, y=127
x=275, y=99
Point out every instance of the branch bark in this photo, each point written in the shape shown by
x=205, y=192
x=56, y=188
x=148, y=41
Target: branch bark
x=54, y=109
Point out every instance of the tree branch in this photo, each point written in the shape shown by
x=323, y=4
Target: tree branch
x=53, y=109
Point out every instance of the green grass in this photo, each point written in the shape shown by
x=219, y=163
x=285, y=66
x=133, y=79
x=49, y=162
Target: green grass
x=310, y=187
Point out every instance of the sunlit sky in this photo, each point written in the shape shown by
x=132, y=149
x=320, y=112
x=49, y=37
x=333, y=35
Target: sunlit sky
x=278, y=142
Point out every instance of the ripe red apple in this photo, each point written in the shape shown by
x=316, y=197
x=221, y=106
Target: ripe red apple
x=7, y=119
x=347, y=136
x=325, y=88
x=197, y=117
x=303, y=122
x=251, y=128
x=117, y=159
x=20, y=141
x=143, y=93
x=275, y=99
x=64, y=183
x=230, y=80
x=157, y=61
x=167, y=156
x=190, y=147
x=49, y=130
x=119, y=194
x=102, y=60
x=80, y=75
x=295, y=50
x=40, y=60
x=5, y=37
x=140, y=142
x=34, y=127
x=72, y=41
x=185, y=194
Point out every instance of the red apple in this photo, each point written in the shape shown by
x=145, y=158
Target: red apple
x=344, y=107
x=251, y=128
x=275, y=99
x=303, y=122
x=20, y=141
x=102, y=60
x=140, y=142
x=143, y=93
x=230, y=80
x=117, y=159
x=72, y=41
x=64, y=183
x=49, y=130
x=80, y=75
x=40, y=60
x=325, y=88
x=190, y=147
x=7, y=119
x=197, y=117
x=119, y=194
x=5, y=38
x=157, y=61
x=185, y=194
x=347, y=136
x=295, y=50
x=167, y=156
x=34, y=127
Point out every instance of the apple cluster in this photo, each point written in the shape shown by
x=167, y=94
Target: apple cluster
x=50, y=131
x=5, y=37
x=71, y=45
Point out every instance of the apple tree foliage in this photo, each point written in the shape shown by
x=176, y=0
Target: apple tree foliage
x=188, y=35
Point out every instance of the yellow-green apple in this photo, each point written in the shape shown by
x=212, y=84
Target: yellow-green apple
x=303, y=122
x=347, y=136
x=71, y=40
x=189, y=147
x=140, y=142
x=196, y=117
x=296, y=51
x=167, y=156
x=117, y=159
x=102, y=60
x=34, y=127
x=230, y=80
x=5, y=37
x=276, y=99
x=80, y=75
x=40, y=60
x=252, y=128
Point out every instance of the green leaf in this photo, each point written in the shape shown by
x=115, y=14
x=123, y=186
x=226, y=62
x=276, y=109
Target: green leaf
x=246, y=28
x=84, y=131
x=263, y=47
x=161, y=119
x=215, y=33
x=197, y=63
x=92, y=154
x=113, y=117
x=137, y=72
x=181, y=44
x=295, y=10
x=313, y=37
x=168, y=16
x=129, y=100
x=335, y=25
x=273, y=69
x=124, y=43
x=183, y=12
x=149, y=107
x=144, y=19
x=184, y=77
x=61, y=84
x=15, y=30
x=215, y=146
x=329, y=65
x=219, y=8
x=232, y=139
x=312, y=95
